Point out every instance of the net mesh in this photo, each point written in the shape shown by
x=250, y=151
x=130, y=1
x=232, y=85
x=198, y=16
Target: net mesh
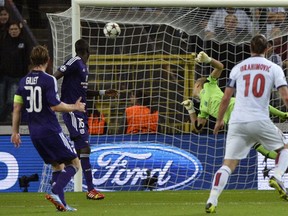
x=155, y=53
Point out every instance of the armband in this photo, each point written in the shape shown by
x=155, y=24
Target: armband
x=102, y=92
x=18, y=99
x=231, y=83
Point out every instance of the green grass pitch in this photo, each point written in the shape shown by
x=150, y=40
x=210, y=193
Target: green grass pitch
x=166, y=203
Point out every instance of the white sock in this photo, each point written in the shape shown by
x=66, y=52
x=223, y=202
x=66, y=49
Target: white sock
x=219, y=183
x=281, y=166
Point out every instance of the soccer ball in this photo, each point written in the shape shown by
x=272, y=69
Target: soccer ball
x=111, y=30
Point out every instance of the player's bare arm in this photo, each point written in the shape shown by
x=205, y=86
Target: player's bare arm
x=15, y=137
x=222, y=109
x=58, y=75
x=283, y=91
x=63, y=107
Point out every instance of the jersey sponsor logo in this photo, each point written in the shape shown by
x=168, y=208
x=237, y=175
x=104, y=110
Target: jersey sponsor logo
x=126, y=165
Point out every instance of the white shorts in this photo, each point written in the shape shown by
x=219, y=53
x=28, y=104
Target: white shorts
x=242, y=136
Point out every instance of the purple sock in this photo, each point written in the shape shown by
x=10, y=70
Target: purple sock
x=63, y=178
x=55, y=175
x=86, y=167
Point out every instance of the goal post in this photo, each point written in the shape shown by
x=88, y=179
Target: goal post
x=155, y=53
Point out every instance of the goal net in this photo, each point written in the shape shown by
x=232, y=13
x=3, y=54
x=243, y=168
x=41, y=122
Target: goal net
x=155, y=53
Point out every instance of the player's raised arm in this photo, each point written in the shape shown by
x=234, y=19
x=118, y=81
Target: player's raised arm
x=202, y=57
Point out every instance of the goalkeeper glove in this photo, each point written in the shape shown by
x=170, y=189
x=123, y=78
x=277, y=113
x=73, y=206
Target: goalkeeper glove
x=203, y=57
x=189, y=106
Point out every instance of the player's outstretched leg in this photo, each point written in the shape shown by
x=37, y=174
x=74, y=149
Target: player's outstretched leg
x=94, y=195
x=210, y=208
x=55, y=199
x=279, y=186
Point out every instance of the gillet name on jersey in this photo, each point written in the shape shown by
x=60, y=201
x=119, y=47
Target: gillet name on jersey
x=31, y=80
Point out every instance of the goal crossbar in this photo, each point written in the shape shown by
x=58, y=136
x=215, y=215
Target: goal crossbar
x=184, y=3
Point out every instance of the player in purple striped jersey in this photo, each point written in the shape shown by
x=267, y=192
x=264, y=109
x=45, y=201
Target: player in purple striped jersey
x=74, y=85
x=37, y=93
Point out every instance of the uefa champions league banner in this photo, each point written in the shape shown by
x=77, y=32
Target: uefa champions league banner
x=179, y=162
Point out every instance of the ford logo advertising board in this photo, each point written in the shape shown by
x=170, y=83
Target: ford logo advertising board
x=128, y=165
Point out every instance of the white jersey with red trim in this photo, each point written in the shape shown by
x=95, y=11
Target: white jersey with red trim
x=254, y=79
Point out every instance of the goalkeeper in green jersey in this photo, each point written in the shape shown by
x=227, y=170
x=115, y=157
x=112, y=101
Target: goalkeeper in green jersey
x=210, y=95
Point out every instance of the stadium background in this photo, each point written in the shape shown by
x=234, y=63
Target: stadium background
x=207, y=148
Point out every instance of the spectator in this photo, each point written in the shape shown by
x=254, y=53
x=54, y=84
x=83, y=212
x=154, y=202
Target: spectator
x=14, y=55
x=275, y=58
x=272, y=56
x=217, y=20
x=140, y=117
x=259, y=17
x=275, y=17
x=4, y=22
x=280, y=44
x=96, y=123
x=231, y=31
x=35, y=20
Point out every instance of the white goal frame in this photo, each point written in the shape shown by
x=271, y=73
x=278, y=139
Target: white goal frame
x=76, y=34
